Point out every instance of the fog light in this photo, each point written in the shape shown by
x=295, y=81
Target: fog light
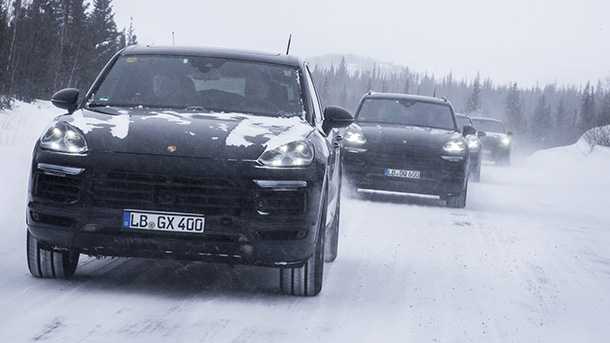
x=247, y=249
x=35, y=216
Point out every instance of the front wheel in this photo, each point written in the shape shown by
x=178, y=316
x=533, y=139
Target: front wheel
x=476, y=173
x=332, y=244
x=46, y=263
x=504, y=161
x=306, y=280
x=458, y=201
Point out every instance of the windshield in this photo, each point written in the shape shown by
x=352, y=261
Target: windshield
x=463, y=121
x=406, y=112
x=489, y=125
x=212, y=84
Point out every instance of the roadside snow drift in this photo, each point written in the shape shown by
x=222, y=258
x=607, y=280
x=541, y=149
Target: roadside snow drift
x=527, y=261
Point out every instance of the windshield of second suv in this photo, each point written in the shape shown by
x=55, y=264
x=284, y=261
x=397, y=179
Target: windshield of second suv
x=489, y=125
x=406, y=112
x=463, y=121
x=201, y=83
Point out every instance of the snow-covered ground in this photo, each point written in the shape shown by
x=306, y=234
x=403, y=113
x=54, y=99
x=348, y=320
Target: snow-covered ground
x=527, y=261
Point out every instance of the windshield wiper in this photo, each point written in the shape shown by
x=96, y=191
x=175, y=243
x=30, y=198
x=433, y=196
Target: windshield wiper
x=102, y=108
x=284, y=114
x=196, y=108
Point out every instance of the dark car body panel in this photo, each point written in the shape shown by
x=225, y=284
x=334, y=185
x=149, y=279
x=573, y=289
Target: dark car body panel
x=186, y=162
x=409, y=148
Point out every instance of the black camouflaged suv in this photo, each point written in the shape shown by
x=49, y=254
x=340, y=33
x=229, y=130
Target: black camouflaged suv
x=196, y=154
x=408, y=144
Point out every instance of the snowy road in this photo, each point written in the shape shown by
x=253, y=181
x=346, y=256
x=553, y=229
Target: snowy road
x=527, y=261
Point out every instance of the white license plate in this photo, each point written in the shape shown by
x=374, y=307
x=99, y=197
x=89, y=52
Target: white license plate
x=407, y=174
x=163, y=221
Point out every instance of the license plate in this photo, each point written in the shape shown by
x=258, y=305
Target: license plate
x=163, y=221
x=407, y=174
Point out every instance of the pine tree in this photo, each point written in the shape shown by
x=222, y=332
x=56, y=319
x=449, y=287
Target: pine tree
x=473, y=104
x=604, y=112
x=541, y=122
x=343, y=100
x=132, y=38
x=4, y=46
x=105, y=35
x=562, y=116
x=407, y=85
x=587, y=109
x=342, y=70
x=514, y=110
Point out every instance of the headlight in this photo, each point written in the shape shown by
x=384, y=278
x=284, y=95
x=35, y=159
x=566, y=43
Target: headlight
x=295, y=154
x=62, y=137
x=505, y=140
x=473, y=143
x=455, y=147
x=354, y=136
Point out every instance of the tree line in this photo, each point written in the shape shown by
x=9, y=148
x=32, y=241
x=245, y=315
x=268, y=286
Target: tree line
x=542, y=117
x=46, y=45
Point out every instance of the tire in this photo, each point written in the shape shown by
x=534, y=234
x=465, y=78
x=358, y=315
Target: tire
x=476, y=174
x=504, y=161
x=332, y=243
x=46, y=263
x=306, y=281
x=458, y=201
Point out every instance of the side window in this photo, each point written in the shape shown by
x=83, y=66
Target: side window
x=318, y=117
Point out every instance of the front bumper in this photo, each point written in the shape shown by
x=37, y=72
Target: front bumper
x=246, y=222
x=440, y=177
x=492, y=149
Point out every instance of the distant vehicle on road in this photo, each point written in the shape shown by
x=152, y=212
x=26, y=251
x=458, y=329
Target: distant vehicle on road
x=408, y=144
x=196, y=154
x=498, y=141
x=474, y=144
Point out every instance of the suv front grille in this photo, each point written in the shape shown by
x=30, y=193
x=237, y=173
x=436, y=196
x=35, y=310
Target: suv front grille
x=129, y=190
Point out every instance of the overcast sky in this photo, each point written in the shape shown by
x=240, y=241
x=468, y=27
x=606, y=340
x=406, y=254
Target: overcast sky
x=528, y=41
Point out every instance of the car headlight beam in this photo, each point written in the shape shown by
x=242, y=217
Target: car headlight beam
x=62, y=137
x=294, y=154
x=355, y=137
x=455, y=147
x=505, y=141
x=473, y=143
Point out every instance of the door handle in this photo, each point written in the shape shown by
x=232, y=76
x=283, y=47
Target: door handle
x=339, y=138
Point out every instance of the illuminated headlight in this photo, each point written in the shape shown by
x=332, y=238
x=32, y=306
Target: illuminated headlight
x=62, y=137
x=505, y=140
x=473, y=143
x=354, y=136
x=295, y=154
x=455, y=147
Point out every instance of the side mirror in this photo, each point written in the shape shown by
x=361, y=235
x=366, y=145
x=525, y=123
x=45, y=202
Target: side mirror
x=336, y=118
x=481, y=134
x=510, y=133
x=469, y=131
x=66, y=99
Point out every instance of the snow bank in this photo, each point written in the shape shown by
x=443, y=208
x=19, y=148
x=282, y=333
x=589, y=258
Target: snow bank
x=25, y=122
x=20, y=127
x=574, y=164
